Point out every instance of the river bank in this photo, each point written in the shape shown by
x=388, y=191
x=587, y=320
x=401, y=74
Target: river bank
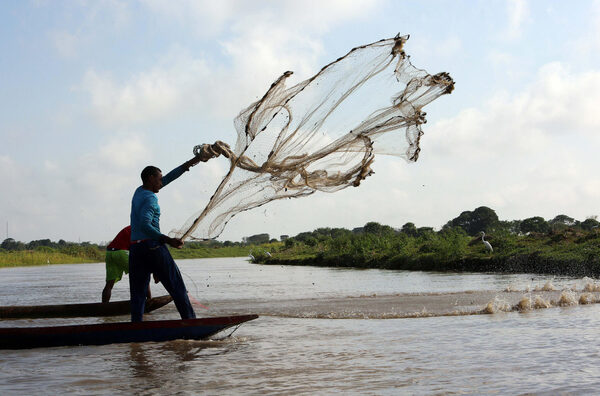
x=95, y=254
x=566, y=253
x=532, y=263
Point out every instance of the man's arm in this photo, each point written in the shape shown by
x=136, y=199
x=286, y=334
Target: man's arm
x=203, y=154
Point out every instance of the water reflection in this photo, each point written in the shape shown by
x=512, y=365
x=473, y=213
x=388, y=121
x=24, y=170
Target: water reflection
x=175, y=366
x=147, y=359
x=275, y=354
x=139, y=364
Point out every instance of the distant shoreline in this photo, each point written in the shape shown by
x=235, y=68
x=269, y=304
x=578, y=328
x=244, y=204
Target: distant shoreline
x=568, y=252
x=27, y=258
x=531, y=263
x=523, y=264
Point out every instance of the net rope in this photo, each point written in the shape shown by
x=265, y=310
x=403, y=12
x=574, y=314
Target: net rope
x=322, y=134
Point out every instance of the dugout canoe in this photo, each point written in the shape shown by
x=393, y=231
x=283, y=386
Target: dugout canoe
x=78, y=310
x=113, y=333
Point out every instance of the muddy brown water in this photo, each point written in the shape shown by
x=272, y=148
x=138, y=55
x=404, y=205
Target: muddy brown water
x=323, y=331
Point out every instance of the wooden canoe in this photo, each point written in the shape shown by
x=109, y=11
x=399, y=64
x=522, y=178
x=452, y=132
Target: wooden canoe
x=78, y=310
x=112, y=333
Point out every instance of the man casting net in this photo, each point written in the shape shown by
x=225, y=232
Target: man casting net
x=323, y=133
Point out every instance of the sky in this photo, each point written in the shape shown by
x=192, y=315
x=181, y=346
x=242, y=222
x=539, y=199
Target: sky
x=93, y=91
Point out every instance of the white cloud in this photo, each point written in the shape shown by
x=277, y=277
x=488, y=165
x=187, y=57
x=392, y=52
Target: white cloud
x=422, y=47
x=524, y=154
x=506, y=66
x=207, y=18
x=586, y=47
x=518, y=12
x=561, y=102
x=450, y=46
x=595, y=18
x=82, y=196
x=94, y=20
x=65, y=43
x=211, y=18
x=557, y=103
x=266, y=41
x=150, y=95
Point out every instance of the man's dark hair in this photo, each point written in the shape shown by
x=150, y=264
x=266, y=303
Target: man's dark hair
x=149, y=171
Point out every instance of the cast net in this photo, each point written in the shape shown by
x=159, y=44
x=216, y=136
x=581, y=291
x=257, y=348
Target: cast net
x=322, y=134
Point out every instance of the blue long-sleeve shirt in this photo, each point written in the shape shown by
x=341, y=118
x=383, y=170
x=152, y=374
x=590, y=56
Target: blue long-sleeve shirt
x=145, y=211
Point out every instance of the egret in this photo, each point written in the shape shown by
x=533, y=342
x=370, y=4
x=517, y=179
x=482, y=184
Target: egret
x=488, y=246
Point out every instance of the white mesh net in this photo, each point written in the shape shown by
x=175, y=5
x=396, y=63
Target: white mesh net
x=323, y=133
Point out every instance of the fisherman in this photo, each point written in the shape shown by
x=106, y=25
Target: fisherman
x=148, y=252
x=117, y=262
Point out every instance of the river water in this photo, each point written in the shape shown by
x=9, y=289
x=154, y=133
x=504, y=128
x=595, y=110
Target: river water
x=320, y=331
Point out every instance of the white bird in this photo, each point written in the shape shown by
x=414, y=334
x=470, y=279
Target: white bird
x=251, y=256
x=488, y=246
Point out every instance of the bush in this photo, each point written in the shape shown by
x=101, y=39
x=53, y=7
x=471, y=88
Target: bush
x=45, y=249
x=289, y=243
x=310, y=241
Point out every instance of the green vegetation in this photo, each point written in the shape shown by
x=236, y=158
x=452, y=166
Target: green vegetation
x=34, y=257
x=568, y=252
x=559, y=246
x=562, y=245
x=199, y=250
x=70, y=253
x=41, y=252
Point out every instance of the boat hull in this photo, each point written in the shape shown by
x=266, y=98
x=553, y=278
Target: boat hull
x=78, y=310
x=112, y=333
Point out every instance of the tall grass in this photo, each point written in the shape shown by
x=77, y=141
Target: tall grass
x=33, y=257
x=208, y=252
x=91, y=254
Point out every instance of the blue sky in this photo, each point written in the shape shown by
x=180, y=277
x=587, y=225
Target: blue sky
x=92, y=91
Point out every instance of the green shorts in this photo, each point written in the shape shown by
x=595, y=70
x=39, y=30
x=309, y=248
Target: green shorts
x=117, y=262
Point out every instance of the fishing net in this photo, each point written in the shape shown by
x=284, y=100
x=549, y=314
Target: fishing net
x=322, y=134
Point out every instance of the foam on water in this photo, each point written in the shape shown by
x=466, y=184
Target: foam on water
x=528, y=303
x=587, y=298
x=497, y=305
x=548, y=286
x=568, y=298
x=591, y=285
x=540, y=303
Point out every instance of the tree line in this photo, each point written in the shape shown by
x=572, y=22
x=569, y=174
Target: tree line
x=561, y=245
x=77, y=248
x=485, y=219
x=472, y=222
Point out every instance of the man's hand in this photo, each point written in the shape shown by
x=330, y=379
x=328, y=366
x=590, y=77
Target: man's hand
x=207, y=151
x=193, y=162
x=174, y=242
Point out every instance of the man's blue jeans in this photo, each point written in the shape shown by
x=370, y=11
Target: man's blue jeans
x=149, y=257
